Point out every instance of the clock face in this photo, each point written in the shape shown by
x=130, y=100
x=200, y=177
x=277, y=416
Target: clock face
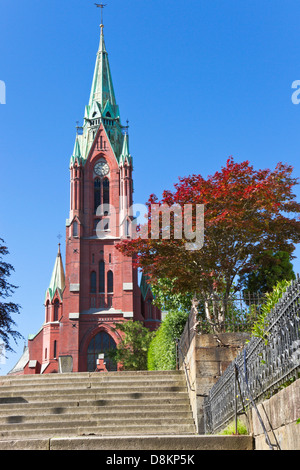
x=101, y=168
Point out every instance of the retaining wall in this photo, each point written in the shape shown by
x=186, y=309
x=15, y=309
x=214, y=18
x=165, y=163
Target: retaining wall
x=207, y=356
x=280, y=413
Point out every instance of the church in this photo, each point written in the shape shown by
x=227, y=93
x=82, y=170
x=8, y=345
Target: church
x=98, y=286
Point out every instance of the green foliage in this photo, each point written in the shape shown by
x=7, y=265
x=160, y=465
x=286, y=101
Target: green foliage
x=7, y=309
x=132, y=350
x=230, y=429
x=166, y=299
x=271, y=299
x=271, y=268
x=162, y=350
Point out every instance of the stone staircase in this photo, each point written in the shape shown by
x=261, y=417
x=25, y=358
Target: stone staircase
x=102, y=410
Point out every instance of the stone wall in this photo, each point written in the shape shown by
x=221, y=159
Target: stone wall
x=279, y=413
x=206, y=358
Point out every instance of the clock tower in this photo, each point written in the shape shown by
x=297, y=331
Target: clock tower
x=98, y=286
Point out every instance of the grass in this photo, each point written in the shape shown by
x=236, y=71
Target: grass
x=230, y=429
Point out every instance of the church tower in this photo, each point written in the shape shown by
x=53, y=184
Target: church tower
x=99, y=286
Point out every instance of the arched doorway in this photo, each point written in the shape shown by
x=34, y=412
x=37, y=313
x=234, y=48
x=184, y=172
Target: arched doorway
x=100, y=343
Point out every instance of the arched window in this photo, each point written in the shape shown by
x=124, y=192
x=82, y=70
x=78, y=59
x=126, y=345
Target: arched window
x=101, y=343
x=101, y=276
x=97, y=194
x=106, y=191
x=56, y=310
x=93, y=282
x=110, y=282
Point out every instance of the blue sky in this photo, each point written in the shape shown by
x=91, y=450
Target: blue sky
x=199, y=80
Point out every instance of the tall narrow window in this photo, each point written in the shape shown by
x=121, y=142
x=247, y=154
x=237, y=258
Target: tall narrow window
x=101, y=276
x=149, y=307
x=75, y=229
x=75, y=197
x=106, y=191
x=97, y=194
x=56, y=309
x=93, y=282
x=54, y=349
x=47, y=312
x=110, y=282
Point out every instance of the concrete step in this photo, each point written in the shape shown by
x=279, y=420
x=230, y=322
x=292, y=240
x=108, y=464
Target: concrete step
x=182, y=442
x=106, y=406
x=100, y=398
x=93, y=421
x=60, y=379
x=90, y=428
x=105, y=376
x=99, y=416
x=122, y=406
x=95, y=387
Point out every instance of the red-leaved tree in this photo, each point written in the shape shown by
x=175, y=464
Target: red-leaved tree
x=246, y=212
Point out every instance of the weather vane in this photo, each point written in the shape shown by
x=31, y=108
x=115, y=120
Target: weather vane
x=101, y=5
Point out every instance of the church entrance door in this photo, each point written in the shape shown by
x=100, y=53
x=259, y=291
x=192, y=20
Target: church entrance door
x=100, y=344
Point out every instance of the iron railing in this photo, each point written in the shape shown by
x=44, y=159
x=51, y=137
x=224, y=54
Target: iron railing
x=263, y=366
x=240, y=312
x=227, y=314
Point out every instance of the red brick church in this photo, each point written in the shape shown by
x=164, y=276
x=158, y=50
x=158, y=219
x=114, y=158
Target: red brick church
x=98, y=285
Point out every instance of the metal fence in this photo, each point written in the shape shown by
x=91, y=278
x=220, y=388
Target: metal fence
x=240, y=311
x=261, y=368
x=225, y=314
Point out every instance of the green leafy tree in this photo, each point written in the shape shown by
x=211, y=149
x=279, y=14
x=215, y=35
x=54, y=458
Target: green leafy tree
x=166, y=298
x=7, y=309
x=246, y=213
x=132, y=350
x=270, y=269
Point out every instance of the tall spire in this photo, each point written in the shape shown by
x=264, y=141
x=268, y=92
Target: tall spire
x=102, y=90
x=57, y=281
x=125, y=155
x=102, y=108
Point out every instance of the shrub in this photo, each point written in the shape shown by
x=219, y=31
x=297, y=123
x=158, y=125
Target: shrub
x=162, y=350
x=271, y=299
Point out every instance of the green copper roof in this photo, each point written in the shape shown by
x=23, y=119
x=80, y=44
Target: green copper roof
x=76, y=157
x=125, y=155
x=102, y=87
x=57, y=281
x=101, y=109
